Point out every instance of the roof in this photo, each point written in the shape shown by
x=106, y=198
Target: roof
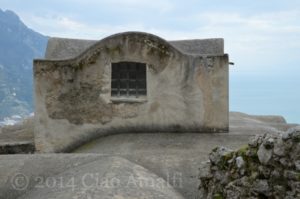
x=64, y=48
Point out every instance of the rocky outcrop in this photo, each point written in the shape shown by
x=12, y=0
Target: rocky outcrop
x=268, y=167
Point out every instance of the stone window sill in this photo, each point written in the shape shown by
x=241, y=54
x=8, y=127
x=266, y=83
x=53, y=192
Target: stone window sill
x=128, y=100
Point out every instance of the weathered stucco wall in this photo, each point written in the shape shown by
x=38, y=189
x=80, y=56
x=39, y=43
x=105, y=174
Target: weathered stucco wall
x=185, y=93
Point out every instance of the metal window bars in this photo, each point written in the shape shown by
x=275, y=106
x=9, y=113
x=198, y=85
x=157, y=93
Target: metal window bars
x=128, y=79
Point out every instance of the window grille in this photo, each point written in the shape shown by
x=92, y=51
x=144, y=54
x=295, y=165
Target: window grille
x=128, y=79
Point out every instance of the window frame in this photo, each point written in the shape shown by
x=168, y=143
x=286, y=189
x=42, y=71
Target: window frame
x=128, y=81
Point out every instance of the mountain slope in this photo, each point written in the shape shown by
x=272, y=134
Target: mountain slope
x=19, y=45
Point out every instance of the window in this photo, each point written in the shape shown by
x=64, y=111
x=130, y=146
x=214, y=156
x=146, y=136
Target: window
x=128, y=79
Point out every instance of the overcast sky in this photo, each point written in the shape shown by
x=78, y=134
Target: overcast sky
x=262, y=37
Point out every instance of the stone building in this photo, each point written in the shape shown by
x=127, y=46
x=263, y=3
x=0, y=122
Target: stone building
x=128, y=82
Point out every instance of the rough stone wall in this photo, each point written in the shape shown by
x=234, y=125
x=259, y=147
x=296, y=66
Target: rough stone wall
x=73, y=102
x=268, y=167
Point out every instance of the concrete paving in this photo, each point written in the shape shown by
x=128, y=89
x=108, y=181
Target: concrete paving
x=169, y=160
x=167, y=154
x=18, y=138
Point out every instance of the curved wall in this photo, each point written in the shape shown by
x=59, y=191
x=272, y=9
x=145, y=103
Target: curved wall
x=185, y=93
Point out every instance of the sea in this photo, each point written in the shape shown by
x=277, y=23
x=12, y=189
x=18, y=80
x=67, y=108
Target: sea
x=266, y=95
